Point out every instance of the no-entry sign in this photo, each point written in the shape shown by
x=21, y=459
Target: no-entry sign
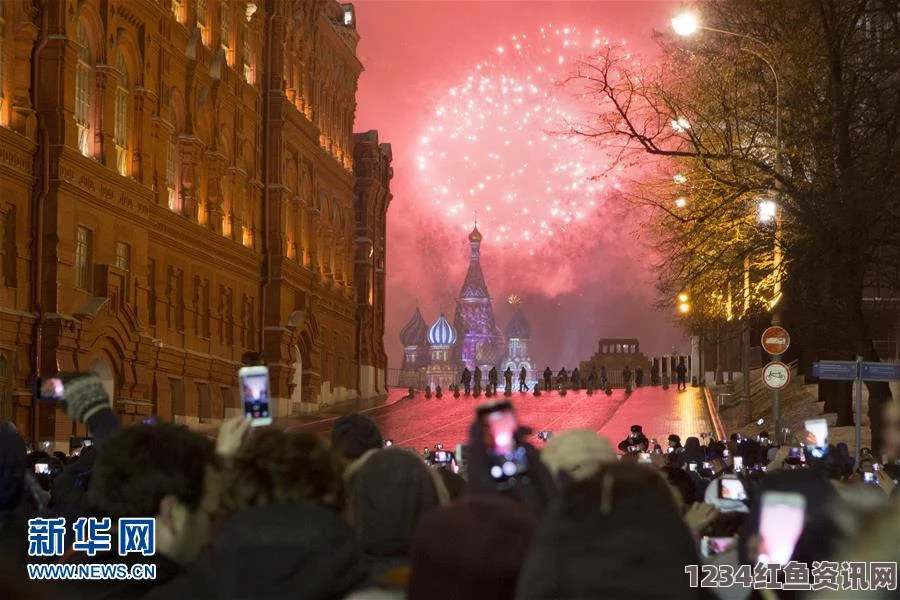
x=776, y=375
x=776, y=340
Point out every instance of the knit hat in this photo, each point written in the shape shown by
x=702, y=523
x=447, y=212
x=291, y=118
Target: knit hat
x=472, y=549
x=353, y=435
x=12, y=466
x=84, y=395
x=578, y=452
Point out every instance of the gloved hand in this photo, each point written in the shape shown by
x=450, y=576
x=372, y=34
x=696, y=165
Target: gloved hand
x=84, y=395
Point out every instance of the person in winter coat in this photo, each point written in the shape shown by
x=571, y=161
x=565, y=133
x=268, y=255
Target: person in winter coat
x=281, y=534
x=548, y=376
x=635, y=442
x=388, y=496
x=523, y=376
x=615, y=535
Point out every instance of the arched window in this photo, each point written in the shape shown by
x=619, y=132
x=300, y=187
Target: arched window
x=84, y=83
x=122, y=117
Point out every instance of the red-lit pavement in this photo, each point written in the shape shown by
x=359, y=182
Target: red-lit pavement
x=418, y=422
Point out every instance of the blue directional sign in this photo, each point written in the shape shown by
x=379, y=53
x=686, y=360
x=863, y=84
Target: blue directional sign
x=842, y=370
x=877, y=371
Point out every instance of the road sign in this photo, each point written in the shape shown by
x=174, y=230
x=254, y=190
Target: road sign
x=776, y=375
x=877, y=371
x=840, y=370
x=776, y=340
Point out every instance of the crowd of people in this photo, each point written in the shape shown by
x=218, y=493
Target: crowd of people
x=265, y=514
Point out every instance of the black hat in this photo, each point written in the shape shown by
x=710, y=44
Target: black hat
x=355, y=434
x=674, y=438
x=636, y=429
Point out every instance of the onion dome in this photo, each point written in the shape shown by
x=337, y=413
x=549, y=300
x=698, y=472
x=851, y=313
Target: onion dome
x=414, y=332
x=475, y=236
x=518, y=327
x=442, y=333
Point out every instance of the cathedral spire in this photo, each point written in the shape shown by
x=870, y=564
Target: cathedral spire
x=474, y=285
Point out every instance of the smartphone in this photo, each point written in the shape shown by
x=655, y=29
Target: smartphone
x=710, y=546
x=816, y=432
x=726, y=453
x=77, y=444
x=780, y=524
x=732, y=488
x=507, y=458
x=41, y=469
x=388, y=443
x=692, y=467
x=707, y=466
x=441, y=456
x=869, y=477
x=49, y=389
x=671, y=450
x=255, y=393
x=738, y=462
x=644, y=457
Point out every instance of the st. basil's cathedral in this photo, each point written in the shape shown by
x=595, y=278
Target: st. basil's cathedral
x=436, y=355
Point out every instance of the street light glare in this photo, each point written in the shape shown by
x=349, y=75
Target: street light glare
x=683, y=298
x=684, y=308
x=681, y=202
x=685, y=24
x=679, y=179
x=767, y=209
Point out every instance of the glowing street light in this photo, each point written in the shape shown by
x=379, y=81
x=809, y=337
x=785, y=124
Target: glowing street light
x=681, y=202
x=684, y=306
x=685, y=23
x=768, y=210
x=681, y=124
x=679, y=179
x=682, y=298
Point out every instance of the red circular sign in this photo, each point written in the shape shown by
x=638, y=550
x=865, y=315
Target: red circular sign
x=776, y=340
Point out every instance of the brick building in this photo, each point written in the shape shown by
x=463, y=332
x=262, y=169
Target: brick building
x=180, y=192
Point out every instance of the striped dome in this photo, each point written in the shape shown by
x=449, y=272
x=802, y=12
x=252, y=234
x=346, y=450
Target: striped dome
x=441, y=333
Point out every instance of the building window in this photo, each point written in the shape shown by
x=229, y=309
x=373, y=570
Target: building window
x=174, y=198
x=84, y=80
x=225, y=28
x=179, y=300
x=178, y=10
x=204, y=403
x=122, y=114
x=8, y=247
x=151, y=288
x=123, y=256
x=176, y=388
x=202, y=22
x=204, y=302
x=84, y=258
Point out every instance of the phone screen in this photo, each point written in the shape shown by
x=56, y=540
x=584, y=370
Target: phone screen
x=710, y=546
x=500, y=425
x=692, y=466
x=50, y=388
x=732, y=488
x=780, y=525
x=738, y=463
x=644, y=457
x=869, y=477
x=41, y=469
x=255, y=393
x=442, y=456
x=816, y=433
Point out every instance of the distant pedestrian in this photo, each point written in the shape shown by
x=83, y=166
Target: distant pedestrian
x=626, y=378
x=561, y=378
x=638, y=377
x=548, y=376
x=523, y=375
x=576, y=379
x=492, y=380
x=507, y=379
x=681, y=372
x=477, y=380
x=466, y=380
x=592, y=379
x=604, y=380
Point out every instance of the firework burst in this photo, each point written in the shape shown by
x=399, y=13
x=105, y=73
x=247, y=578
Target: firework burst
x=496, y=144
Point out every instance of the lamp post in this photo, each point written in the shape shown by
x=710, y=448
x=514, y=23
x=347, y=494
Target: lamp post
x=686, y=24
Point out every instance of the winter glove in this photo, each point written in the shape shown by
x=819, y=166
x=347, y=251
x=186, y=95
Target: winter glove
x=84, y=395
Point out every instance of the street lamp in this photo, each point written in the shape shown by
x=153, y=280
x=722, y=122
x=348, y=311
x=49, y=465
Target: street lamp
x=681, y=202
x=767, y=211
x=684, y=306
x=688, y=24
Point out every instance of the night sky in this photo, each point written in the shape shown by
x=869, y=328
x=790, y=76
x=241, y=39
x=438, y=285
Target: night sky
x=469, y=96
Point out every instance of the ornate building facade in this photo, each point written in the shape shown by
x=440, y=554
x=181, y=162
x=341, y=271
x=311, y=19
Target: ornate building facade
x=476, y=338
x=181, y=193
